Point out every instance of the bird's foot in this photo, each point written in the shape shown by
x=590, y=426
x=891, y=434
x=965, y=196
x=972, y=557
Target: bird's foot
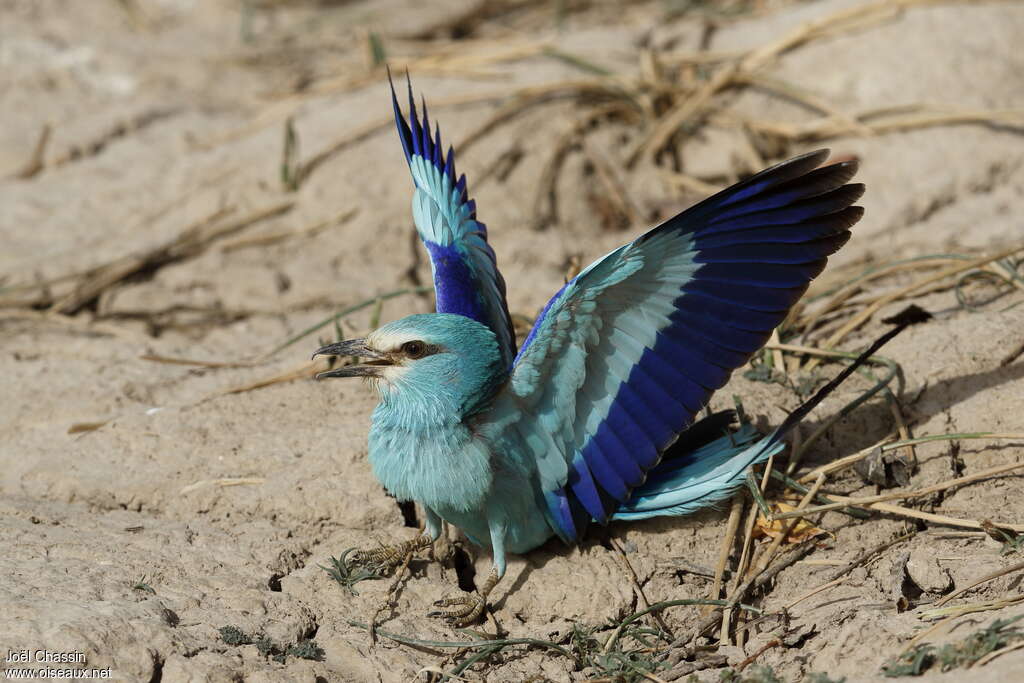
x=384, y=559
x=464, y=610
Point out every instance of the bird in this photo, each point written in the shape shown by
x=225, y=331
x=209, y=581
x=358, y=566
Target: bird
x=594, y=418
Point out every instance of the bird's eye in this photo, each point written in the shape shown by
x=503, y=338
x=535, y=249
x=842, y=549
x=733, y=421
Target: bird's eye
x=414, y=349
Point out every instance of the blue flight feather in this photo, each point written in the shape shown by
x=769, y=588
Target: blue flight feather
x=467, y=281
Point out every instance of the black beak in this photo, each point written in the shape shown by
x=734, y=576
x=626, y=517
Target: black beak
x=357, y=348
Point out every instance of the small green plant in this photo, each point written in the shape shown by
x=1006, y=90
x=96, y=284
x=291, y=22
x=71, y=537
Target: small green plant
x=921, y=658
x=348, y=575
x=613, y=659
x=232, y=635
x=620, y=662
x=304, y=649
x=1012, y=545
x=1011, y=540
x=912, y=662
x=378, y=55
x=758, y=673
x=763, y=372
x=266, y=647
x=141, y=585
x=307, y=649
x=291, y=168
x=818, y=677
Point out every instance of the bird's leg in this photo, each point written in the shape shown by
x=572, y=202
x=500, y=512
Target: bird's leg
x=467, y=608
x=385, y=558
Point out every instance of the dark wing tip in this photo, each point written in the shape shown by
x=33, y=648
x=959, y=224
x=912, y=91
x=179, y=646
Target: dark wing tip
x=806, y=161
x=404, y=132
x=794, y=167
x=840, y=198
x=846, y=218
x=416, y=137
x=911, y=315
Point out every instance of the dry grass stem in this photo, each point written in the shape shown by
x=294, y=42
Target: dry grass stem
x=844, y=501
x=223, y=483
x=746, y=548
x=800, y=510
x=901, y=511
x=814, y=591
x=213, y=364
x=777, y=360
x=869, y=554
x=36, y=162
x=77, y=324
x=637, y=588
x=188, y=243
x=272, y=238
x=304, y=371
x=958, y=613
x=866, y=123
x=885, y=445
x=864, y=315
x=728, y=540
x=998, y=653
x=985, y=579
x=687, y=183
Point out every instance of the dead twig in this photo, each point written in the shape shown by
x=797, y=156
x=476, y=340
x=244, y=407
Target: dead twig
x=637, y=588
x=188, y=243
x=862, y=317
x=985, y=579
x=728, y=540
x=814, y=591
x=35, y=162
x=843, y=501
x=273, y=238
x=867, y=555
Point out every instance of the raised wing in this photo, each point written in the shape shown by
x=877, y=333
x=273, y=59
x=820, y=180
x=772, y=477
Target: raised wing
x=626, y=355
x=466, y=276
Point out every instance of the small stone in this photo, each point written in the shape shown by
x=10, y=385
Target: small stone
x=924, y=570
x=733, y=654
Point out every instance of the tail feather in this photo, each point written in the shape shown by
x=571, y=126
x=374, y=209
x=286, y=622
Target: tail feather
x=699, y=479
x=709, y=474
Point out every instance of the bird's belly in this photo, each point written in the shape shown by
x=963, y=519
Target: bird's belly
x=454, y=473
x=510, y=504
x=525, y=525
x=444, y=469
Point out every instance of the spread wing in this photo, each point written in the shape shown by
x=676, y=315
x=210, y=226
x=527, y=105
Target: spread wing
x=466, y=277
x=626, y=355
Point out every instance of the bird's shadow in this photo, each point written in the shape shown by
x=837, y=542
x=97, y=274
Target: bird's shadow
x=870, y=423
x=530, y=562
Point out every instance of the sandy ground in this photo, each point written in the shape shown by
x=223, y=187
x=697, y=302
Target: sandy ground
x=168, y=115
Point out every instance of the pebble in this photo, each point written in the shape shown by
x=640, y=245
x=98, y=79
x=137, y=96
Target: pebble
x=925, y=572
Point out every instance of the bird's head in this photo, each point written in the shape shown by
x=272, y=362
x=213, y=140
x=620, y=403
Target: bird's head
x=442, y=360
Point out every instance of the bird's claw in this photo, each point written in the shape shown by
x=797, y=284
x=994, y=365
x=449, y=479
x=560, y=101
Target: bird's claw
x=468, y=609
x=383, y=560
x=380, y=561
